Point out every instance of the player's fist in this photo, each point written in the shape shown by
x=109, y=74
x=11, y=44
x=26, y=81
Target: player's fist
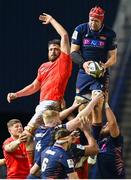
x=11, y=96
x=23, y=137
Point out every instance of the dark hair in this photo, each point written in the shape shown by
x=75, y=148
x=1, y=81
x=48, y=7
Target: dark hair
x=12, y=122
x=57, y=133
x=61, y=133
x=54, y=41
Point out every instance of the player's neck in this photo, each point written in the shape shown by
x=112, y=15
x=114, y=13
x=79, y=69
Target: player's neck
x=63, y=146
x=14, y=137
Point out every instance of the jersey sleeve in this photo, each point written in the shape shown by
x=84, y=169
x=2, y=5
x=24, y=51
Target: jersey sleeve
x=39, y=74
x=117, y=141
x=112, y=41
x=68, y=164
x=77, y=36
x=96, y=131
x=77, y=151
x=7, y=141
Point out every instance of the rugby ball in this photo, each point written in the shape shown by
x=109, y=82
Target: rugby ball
x=95, y=69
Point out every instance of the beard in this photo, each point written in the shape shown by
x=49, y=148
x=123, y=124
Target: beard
x=52, y=58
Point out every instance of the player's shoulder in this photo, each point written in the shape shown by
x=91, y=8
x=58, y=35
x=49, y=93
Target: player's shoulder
x=63, y=55
x=39, y=129
x=8, y=140
x=59, y=150
x=44, y=64
x=109, y=31
x=82, y=26
x=119, y=139
x=54, y=151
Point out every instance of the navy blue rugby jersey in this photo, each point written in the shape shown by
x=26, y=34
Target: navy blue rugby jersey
x=109, y=162
x=76, y=152
x=43, y=138
x=94, y=45
x=55, y=163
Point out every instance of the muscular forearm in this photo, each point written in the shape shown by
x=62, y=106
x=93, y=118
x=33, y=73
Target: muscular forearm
x=65, y=113
x=28, y=90
x=89, y=137
x=92, y=147
x=12, y=146
x=35, y=170
x=58, y=27
x=88, y=109
x=75, y=123
x=30, y=150
x=112, y=59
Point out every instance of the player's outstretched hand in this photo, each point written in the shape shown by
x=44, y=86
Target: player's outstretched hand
x=45, y=18
x=11, y=96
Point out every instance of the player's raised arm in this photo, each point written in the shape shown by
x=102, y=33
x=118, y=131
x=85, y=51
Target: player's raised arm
x=75, y=123
x=46, y=19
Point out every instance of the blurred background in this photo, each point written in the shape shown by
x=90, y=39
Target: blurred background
x=23, y=47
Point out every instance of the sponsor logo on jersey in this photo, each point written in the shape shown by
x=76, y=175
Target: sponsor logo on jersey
x=70, y=163
x=93, y=43
x=103, y=37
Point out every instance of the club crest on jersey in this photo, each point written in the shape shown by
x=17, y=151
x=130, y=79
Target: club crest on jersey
x=103, y=37
x=75, y=34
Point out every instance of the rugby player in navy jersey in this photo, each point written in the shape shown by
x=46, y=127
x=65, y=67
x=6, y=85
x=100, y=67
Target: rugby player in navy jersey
x=56, y=161
x=51, y=119
x=110, y=162
x=93, y=41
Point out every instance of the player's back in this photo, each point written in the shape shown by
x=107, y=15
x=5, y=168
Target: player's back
x=42, y=140
x=55, y=163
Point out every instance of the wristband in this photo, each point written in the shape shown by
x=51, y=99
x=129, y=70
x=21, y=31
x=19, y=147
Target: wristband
x=30, y=129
